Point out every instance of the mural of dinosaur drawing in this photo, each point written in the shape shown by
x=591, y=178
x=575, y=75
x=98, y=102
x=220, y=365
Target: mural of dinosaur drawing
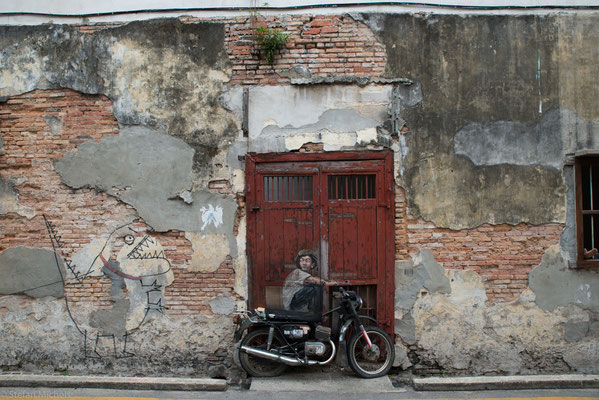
x=136, y=265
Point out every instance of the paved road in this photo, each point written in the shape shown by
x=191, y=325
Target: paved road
x=231, y=394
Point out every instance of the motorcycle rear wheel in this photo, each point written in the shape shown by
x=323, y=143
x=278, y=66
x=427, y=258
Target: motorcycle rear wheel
x=371, y=362
x=258, y=366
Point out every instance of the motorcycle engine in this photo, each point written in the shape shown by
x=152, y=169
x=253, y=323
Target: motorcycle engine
x=315, y=348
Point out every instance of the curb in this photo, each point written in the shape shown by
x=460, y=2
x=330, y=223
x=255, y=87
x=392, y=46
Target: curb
x=507, y=382
x=113, y=382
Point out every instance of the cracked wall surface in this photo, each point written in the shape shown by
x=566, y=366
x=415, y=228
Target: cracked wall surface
x=448, y=325
x=480, y=111
x=159, y=73
x=34, y=272
x=461, y=164
x=337, y=116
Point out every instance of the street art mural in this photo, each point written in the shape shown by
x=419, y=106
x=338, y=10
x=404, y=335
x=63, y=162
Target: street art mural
x=138, y=270
x=211, y=215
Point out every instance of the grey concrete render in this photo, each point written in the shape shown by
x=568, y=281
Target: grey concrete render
x=555, y=320
x=8, y=196
x=556, y=285
x=460, y=154
x=507, y=142
x=222, y=305
x=151, y=171
x=182, y=80
x=545, y=143
x=421, y=271
x=31, y=271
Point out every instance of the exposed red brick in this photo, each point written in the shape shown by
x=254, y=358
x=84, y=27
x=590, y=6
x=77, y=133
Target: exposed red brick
x=81, y=215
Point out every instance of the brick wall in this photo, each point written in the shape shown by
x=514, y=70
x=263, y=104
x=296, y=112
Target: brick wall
x=502, y=254
x=326, y=45
x=336, y=45
x=39, y=128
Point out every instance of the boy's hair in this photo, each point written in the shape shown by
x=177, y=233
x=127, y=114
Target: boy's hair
x=306, y=252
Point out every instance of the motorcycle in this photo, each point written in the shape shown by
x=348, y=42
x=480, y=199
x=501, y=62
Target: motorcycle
x=269, y=340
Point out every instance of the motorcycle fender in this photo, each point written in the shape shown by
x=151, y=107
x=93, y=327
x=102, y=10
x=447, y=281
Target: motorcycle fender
x=236, y=354
x=376, y=323
x=241, y=328
x=342, y=353
x=347, y=324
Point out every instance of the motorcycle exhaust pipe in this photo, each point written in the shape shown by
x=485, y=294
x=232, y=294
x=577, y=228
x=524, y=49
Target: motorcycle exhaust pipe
x=286, y=359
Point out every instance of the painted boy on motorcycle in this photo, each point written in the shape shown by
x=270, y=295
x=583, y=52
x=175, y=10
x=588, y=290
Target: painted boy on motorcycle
x=302, y=291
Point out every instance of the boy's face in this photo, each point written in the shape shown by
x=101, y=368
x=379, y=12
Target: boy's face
x=305, y=263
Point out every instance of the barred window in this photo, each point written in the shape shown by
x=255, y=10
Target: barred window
x=587, y=210
x=287, y=188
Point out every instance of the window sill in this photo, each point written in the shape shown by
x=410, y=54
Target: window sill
x=580, y=264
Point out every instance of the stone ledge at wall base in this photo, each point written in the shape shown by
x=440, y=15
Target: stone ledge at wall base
x=113, y=382
x=506, y=382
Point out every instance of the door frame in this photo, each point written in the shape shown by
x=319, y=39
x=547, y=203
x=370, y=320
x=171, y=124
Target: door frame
x=386, y=305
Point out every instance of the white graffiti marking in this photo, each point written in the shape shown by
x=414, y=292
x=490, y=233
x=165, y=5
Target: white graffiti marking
x=212, y=215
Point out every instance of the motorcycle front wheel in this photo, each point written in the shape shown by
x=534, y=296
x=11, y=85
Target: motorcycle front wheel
x=258, y=366
x=371, y=362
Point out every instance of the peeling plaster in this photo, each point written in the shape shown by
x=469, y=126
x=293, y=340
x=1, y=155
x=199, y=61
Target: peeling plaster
x=55, y=124
x=240, y=263
x=545, y=143
x=419, y=273
x=43, y=339
x=223, y=305
x=85, y=260
x=148, y=261
x=459, y=331
x=340, y=117
x=470, y=148
x=9, y=199
x=31, y=271
x=149, y=170
x=556, y=285
x=160, y=73
x=209, y=251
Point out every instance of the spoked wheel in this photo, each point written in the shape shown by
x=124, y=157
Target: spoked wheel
x=371, y=362
x=257, y=366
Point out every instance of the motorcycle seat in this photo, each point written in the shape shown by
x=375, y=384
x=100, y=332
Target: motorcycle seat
x=287, y=315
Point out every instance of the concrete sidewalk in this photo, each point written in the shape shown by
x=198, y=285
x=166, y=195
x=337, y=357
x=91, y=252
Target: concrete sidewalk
x=113, y=382
x=332, y=382
x=299, y=381
x=507, y=382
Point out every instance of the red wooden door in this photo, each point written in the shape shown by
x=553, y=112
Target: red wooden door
x=338, y=204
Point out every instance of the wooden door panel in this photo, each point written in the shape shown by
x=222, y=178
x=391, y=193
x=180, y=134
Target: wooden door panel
x=367, y=238
x=274, y=246
x=285, y=231
x=352, y=243
x=341, y=201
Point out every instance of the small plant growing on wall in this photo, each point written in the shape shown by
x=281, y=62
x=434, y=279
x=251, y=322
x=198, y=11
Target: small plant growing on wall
x=270, y=41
